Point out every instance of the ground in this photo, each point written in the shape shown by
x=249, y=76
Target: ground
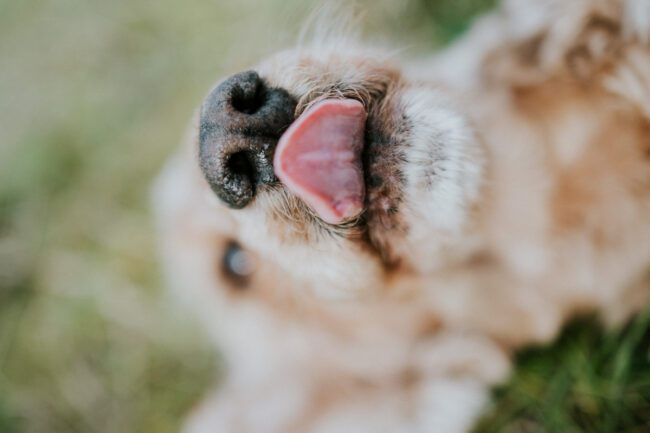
x=94, y=96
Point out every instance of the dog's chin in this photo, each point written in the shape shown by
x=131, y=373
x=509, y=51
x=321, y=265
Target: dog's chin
x=444, y=171
x=425, y=172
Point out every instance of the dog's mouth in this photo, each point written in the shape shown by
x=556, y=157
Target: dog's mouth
x=336, y=164
x=318, y=159
x=342, y=159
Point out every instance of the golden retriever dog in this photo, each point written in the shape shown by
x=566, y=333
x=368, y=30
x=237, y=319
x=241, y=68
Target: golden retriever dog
x=368, y=240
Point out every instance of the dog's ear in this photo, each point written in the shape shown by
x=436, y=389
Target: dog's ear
x=331, y=24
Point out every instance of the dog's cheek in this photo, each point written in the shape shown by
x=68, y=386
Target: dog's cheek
x=191, y=235
x=443, y=172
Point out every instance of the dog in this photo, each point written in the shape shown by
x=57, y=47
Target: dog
x=369, y=240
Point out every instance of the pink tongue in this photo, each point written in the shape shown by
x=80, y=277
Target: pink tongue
x=319, y=159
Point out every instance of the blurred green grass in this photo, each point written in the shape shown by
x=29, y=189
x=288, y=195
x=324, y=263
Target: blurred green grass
x=587, y=381
x=93, y=96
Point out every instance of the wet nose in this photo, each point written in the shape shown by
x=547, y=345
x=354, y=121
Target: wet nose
x=240, y=124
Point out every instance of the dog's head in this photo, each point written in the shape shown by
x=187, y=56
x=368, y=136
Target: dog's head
x=378, y=174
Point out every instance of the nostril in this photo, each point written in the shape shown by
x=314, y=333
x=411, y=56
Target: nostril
x=249, y=102
x=241, y=121
x=240, y=166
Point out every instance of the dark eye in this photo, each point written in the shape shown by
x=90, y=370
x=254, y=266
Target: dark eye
x=237, y=264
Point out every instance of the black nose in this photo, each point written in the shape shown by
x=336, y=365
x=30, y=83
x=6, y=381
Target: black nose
x=241, y=122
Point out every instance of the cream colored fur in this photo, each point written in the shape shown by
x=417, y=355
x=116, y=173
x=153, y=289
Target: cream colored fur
x=524, y=199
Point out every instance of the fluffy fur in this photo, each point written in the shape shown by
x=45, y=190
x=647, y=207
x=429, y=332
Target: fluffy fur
x=508, y=188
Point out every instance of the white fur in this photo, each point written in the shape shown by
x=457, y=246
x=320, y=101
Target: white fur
x=444, y=174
